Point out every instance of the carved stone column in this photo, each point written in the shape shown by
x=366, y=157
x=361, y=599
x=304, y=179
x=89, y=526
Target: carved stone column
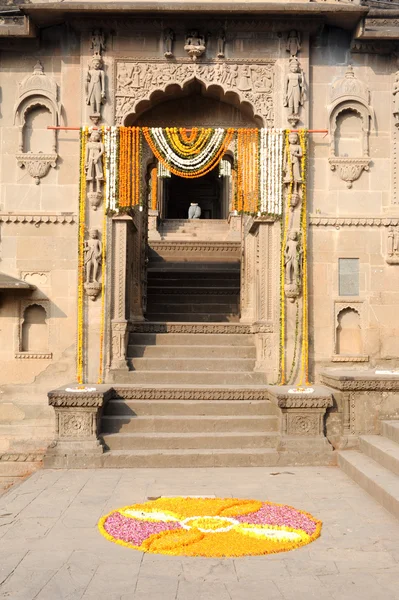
x=153, y=233
x=248, y=267
x=120, y=285
x=77, y=417
x=302, y=432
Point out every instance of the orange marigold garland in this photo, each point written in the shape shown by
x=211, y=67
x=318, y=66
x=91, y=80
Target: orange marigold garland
x=154, y=188
x=248, y=170
x=210, y=527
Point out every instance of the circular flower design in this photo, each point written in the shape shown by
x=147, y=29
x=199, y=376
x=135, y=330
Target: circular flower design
x=212, y=527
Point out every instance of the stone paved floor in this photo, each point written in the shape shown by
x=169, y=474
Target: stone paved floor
x=50, y=548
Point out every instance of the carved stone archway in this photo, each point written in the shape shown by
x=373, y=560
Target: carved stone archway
x=241, y=82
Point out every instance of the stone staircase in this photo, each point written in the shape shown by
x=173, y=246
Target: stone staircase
x=191, y=396
x=189, y=427
x=376, y=466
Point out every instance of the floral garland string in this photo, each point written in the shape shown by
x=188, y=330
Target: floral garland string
x=154, y=188
x=81, y=262
x=304, y=375
x=304, y=358
x=103, y=273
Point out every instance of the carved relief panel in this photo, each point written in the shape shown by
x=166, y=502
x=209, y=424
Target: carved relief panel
x=253, y=81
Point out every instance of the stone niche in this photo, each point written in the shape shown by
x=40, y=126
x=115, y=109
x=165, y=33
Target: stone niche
x=37, y=107
x=33, y=331
x=350, y=117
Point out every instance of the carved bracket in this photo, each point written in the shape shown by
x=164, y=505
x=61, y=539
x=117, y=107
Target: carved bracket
x=349, y=169
x=37, y=164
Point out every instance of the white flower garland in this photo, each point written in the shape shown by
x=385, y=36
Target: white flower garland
x=111, y=175
x=271, y=165
x=188, y=164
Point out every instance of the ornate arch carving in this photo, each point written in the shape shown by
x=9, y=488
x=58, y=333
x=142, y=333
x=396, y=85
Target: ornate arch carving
x=350, y=94
x=252, y=83
x=35, y=91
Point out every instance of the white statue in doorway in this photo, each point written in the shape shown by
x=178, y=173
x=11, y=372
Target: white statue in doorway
x=194, y=212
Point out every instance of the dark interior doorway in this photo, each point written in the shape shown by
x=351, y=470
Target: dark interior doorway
x=207, y=191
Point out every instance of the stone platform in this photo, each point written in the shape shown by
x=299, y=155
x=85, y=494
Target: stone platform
x=51, y=548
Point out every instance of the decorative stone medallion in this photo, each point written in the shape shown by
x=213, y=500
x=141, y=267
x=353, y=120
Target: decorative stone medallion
x=210, y=527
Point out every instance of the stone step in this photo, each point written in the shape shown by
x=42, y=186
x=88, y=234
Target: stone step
x=185, y=351
x=193, y=339
x=243, y=457
x=390, y=429
x=192, y=317
x=187, y=441
x=155, y=306
x=204, y=365
x=122, y=407
x=186, y=424
x=170, y=296
x=179, y=378
x=12, y=468
x=379, y=482
x=382, y=450
x=199, y=272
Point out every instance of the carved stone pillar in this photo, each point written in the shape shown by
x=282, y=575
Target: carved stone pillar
x=248, y=268
x=302, y=431
x=153, y=233
x=77, y=417
x=121, y=226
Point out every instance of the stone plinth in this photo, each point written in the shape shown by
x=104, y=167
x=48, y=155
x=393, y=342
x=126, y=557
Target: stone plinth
x=78, y=416
x=302, y=431
x=362, y=400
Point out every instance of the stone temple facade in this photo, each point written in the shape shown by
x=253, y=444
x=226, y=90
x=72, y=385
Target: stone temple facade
x=190, y=340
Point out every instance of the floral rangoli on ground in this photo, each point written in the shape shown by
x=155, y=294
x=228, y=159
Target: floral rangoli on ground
x=212, y=527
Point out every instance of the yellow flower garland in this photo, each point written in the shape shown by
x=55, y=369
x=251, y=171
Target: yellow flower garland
x=285, y=227
x=304, y=377
x=103, y=280
x=81, y=263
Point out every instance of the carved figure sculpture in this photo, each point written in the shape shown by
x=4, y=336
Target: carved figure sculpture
x=294, y=91
x=93, y=162
x=95, y=88
x=293, y=161
x=292, y=264
x=194, y=212
x=393, y=246
x=124, y=79
x=195, y=44
x=93, y=257
x=97, y=42
x=221, y=44
x=244, y=82
x=293, y=44
x=396, y=98
x=168, y=40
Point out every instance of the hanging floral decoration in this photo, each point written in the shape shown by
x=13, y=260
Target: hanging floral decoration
x=154, y=189
x=188, y=160
x=111, y=145
x=103, y=265
x=248, y=161
x=304, y=373
x=210, y=527
x=84, y=132
x=130, y=153
x=295, y=192
x=271, y=176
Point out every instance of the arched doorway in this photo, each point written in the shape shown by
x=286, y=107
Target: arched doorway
x=188, y=106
